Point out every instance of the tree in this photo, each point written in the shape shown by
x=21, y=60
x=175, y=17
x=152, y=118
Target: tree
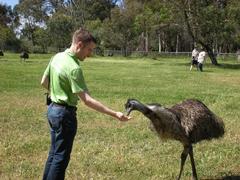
x=42, y=39
x=4, y=31
x=152, y=16
x=100, y=9
x=33, y=14
x=8, y=20
x=5, y=14
x=60, y=26
x=54, y=6
x=231, y=37
x=205, y=21
x=119, y=31
x=82, y=10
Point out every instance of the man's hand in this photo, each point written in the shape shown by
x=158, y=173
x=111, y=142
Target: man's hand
x=122, y=117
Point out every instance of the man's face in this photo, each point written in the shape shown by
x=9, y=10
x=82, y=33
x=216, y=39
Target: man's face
x=85, y=50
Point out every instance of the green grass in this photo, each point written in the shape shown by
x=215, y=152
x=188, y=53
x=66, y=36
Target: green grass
x=105, y=148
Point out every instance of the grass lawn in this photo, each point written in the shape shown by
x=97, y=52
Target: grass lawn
x=105, y=148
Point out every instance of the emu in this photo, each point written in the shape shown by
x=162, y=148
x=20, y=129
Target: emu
x=1, y=53
x=188, y=122
x=24, y=55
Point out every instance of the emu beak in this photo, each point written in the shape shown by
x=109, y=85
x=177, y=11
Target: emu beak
x=128, y=110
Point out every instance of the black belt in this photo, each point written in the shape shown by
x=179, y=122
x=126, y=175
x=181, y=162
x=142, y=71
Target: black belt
x=64, y=105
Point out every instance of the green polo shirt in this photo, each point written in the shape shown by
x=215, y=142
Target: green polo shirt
x=66, y=78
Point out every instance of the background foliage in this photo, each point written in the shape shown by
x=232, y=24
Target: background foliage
x=127, y=25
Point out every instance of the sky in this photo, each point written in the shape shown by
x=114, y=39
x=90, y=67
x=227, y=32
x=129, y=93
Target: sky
x=9, y=2
x=14, y=2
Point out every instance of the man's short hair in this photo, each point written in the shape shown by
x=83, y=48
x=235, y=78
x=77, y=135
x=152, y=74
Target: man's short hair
x=83, y=35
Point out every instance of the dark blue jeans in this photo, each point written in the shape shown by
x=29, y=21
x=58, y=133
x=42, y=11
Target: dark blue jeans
x=63, y=128
x=200, y=66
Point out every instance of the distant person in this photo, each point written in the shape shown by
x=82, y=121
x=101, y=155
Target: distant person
x=65, y=81
x=201, y=59
x=194, y=61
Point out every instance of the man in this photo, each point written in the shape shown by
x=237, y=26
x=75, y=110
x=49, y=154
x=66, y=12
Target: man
x=194, y=58
x=201, y=59
x=66, y=86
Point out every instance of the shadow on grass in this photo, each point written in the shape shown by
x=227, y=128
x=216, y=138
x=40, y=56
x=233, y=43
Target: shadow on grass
x=28, y=61
x=231, y=177
x=222, y=65
x=229, y=66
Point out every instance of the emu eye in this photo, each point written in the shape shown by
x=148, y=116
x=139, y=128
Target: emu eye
x=126, y=105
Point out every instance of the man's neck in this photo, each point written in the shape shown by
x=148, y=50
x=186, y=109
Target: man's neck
x=73, y=49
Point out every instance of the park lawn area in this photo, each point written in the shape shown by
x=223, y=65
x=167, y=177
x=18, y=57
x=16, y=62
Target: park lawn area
x=105, y=148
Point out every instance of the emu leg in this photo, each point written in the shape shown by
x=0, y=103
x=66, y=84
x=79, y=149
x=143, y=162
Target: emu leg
x=183, y=159
x=194, y=172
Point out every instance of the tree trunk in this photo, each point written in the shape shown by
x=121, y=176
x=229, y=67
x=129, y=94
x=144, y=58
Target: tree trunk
x=159, y=43
x=211, y=54
x=146, y=42
x=177, y=44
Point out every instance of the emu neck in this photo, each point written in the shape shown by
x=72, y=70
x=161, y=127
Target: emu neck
x=165, y=123
x=143, y=109
x=149, y=113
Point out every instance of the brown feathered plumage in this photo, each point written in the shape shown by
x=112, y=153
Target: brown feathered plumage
x=188, y=122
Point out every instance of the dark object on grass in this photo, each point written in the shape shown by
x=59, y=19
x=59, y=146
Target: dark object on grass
x=48, y=99
x=24, y=55
x=1, y=53
x=188, y=122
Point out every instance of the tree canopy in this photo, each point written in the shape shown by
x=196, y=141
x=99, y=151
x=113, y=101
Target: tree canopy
x=127, y=25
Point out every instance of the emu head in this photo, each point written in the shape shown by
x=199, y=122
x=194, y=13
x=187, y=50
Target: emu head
x=132, y=104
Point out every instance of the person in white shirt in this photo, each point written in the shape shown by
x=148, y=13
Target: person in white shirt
x=201, y=58
x=194, y=58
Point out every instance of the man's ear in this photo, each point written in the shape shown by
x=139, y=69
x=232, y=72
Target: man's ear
x=80, y=45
